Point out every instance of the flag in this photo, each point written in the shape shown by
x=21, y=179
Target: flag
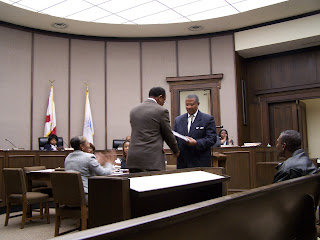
x=88, y=130
x=50, y=125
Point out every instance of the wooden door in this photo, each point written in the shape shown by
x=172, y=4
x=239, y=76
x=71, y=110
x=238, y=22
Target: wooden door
x=287, y=115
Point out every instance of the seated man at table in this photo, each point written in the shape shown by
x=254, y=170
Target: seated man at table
x=86, y=163
x=297, y=164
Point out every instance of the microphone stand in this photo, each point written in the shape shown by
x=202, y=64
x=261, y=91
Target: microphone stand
x=14, y=146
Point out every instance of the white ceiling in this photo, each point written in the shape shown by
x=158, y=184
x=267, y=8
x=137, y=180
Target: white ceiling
x=140, y=11
x=32, y=19
x=19, y=16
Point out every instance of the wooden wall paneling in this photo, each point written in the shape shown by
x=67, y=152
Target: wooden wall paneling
x=254, y=118
x=2, y=162
x=52, y=161
x=291, y=70
x=265, y=124
x=302, y=124
x=256, y=73
x=282, y=116
x=238, y=168
x=20, y=161
x=243, y=129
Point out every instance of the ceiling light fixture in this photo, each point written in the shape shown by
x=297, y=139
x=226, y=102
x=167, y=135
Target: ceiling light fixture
x=59, y=25
x=195, y=28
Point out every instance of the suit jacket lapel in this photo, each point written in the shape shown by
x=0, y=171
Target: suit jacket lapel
x=185, y=124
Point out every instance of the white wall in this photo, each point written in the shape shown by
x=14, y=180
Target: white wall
x=313, y=119
x=120, y=75
x=15, y=88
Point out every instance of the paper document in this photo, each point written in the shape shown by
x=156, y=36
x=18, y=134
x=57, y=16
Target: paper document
x=44, y=170
x=180, y=136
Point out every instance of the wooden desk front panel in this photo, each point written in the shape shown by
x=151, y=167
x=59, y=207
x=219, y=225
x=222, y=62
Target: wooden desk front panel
x=141, y=206
x=52, y=161
x=2, y=195
x=20, y=161
x=238, y=168
x=111, y=200
x=265, y=172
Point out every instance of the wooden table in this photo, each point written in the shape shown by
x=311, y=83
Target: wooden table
x=113, y=199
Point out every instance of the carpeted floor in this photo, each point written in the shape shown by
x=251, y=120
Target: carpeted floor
x=33, y=230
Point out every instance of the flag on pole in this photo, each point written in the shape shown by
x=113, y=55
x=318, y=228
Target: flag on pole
x=88, y=130
x=50, y=125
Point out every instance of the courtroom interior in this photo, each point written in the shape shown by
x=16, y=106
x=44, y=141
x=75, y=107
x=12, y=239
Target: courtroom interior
x=255, y=70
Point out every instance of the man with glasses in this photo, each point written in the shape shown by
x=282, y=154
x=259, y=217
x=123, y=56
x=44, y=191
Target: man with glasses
x=150, y=126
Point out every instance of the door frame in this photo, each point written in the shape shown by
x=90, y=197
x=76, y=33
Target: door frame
x=267, y=99
x=200, y=82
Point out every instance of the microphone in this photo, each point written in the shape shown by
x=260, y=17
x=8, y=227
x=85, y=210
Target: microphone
x=219, y=126
x=11, y=143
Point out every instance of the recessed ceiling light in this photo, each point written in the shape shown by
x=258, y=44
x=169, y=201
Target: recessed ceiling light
x=195, y=28
x=59, y=25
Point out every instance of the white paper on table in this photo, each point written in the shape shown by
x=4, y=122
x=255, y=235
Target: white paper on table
x=180, y=136
x=148, y=183
x=44, y=170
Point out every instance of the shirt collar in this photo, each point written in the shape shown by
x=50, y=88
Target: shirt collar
x=195, y=114
x=149, y=98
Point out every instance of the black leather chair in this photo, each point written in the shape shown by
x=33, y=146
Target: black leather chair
x=44, y=140
x=117, y=143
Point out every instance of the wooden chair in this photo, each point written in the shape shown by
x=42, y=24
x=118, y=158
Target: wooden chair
x=38, y=185
x=16, y=193
x=69, y=199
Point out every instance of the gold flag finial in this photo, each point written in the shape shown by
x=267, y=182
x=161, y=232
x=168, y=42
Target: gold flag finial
x=87, y=86
x=51, y=82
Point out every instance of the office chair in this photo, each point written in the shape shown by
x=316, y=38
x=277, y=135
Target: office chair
x=117, y=143
x=44, y=140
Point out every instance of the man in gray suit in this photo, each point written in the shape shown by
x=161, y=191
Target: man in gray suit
x=150, y=126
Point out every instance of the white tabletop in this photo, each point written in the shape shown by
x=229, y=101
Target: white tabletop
x=149, y=183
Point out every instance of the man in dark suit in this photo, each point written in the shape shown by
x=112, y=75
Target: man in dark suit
x=200, y=130
x=150, y=126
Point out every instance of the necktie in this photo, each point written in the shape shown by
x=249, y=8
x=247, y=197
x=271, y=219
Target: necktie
x=190, y=121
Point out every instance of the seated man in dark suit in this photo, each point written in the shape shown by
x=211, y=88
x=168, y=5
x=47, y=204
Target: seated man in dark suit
x=53, y=144
x=297, y=164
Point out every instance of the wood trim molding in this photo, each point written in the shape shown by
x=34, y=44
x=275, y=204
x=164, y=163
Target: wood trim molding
x=286, y=89
x=218, y=76
x=291, y=95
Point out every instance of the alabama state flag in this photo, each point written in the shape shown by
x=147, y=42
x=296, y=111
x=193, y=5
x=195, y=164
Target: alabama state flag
x=50, y=125
x=88, y=130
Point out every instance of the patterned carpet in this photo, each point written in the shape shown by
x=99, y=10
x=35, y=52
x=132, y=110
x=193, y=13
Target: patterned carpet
x=34, y=230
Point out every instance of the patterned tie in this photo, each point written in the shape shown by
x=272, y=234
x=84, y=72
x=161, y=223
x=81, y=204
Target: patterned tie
x=190, y=121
